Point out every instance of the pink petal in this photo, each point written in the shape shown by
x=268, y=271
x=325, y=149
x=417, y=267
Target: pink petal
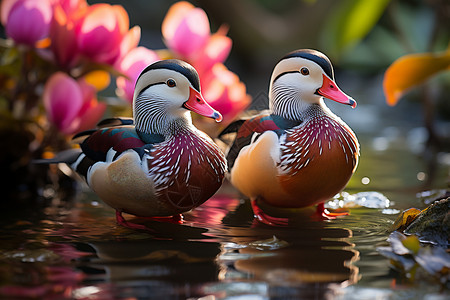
x=173, y=18
x=225, y=92
x=132, y=65
x=129, y=41
x=100, y=33
x=62, y=99
x=122, y=18
x=90, y=112
x=216, y=51
x=71, y=6
x=63, y=37
x=191, y=34
x=28, y=21
x=5, y=8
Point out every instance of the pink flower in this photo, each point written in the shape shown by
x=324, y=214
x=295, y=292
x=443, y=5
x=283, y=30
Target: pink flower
x=90, y=112
x=186, y=32
x=225, y=92
x=63, y=37
x=132, y=65
x=26, y=21
x=71, y=105
x=215, y=51
x=71, y=7
x=103, y=35
x=185, y=29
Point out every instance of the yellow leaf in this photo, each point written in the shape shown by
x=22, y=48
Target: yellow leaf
x=405, y=219
x=411, y=70
x=99, y=79
x=412, y=243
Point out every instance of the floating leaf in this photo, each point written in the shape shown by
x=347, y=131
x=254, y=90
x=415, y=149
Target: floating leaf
x=411, y=70
x=435, y=261
x=407, y=254
x=398, y=247
x=412, y=244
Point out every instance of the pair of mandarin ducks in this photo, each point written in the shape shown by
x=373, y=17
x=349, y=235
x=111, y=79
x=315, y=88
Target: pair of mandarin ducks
x=158, y=164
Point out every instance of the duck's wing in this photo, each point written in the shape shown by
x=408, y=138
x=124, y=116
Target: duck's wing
x=105, y=145
x=113, y=140
x=248, y=131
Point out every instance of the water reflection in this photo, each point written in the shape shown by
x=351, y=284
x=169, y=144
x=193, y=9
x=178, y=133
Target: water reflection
x=308, y=258
x=218, y=248
x=145, y=259
x=77, y=251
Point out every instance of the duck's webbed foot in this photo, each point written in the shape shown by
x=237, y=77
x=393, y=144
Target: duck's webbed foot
x=122, y=221
x=264, y=218
x=322, y=212
x=175, y=219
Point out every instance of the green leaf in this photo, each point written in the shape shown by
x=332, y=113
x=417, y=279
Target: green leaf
x=350, y=22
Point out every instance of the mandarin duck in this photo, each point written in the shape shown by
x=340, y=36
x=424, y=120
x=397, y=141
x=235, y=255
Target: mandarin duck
x=156, y=164
x=299, y=154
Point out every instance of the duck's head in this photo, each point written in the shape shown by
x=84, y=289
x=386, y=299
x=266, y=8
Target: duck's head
x=300, y=79
x=165, y=91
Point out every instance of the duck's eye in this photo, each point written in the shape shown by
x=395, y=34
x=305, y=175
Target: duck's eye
x=304, y=71
x=171, y=82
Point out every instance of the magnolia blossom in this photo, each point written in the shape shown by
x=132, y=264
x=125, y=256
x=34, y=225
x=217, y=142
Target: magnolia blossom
x=104, y=35
x=26, y=21
x=225, y=92
x=71, y=7
x=186, y=32
x=132, y=65
x=186, y=29
x=71, y=105
x=63, y=36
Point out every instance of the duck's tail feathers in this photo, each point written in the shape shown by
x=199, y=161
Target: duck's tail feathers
x=67, y=156
x=110, y=122
x=81, y=136
x=233, y=127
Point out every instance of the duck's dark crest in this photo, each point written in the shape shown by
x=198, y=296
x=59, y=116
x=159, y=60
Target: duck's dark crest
x=318, y=57
x=176, y=65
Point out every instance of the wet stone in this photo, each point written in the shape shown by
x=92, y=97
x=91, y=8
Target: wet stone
x=433, y=224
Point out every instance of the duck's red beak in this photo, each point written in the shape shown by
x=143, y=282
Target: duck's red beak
x=197, y=104
x=330, y=90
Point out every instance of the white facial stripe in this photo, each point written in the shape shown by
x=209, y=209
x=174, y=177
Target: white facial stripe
x=291, y=93
x=156, y=76
x=293, y=65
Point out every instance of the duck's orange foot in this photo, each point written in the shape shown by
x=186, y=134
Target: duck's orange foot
x=264, y=218
x=175, y=219
x=122, y=221
x=324, y=213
